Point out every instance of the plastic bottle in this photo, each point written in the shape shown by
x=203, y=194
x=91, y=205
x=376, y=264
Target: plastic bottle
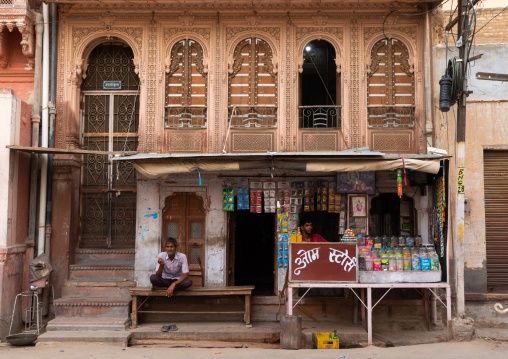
x=410, y=241
x=335, y=334
x=415, y=260
x=384, y=260
x=298, y=235
x=399, y=258
x=376, y=260
x=424, y=260
x=392, y=260
x=434, y=261
x=418, y=241
x=369, y=241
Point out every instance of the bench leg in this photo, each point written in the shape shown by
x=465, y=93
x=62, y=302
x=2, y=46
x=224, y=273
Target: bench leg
x=134, y=314
x=247, y=309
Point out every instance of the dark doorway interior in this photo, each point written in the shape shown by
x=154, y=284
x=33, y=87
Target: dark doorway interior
x=385, y=215
x=254, y=251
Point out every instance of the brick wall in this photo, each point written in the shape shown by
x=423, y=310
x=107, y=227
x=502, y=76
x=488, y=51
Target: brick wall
x=495, y=32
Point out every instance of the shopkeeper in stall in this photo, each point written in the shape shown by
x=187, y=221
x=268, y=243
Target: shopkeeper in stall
x=306, y=229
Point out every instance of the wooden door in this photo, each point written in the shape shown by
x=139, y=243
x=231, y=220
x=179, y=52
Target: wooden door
x=183, y=218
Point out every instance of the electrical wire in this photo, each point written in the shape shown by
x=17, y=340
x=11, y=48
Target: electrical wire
x=454, y=70
x=492, y=19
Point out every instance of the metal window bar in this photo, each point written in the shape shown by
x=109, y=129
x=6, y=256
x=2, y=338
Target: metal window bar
x=185, y=116
x=253, y=116
x=391, y=116
x=320, y=116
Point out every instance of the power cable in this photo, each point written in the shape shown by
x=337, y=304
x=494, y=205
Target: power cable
x=491, y=19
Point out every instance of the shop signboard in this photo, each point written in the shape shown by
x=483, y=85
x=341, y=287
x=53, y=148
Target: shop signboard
x=322, y=262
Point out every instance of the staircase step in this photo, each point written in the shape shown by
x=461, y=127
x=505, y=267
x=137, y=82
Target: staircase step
x=99, y=323
x=87, y=255
x=120, y=338
x=97, y=289
x=104, y=271
x=92, y=307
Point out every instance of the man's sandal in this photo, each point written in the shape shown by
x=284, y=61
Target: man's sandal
x=169, y=328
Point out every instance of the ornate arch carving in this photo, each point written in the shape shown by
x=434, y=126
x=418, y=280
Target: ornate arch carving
x=83, y=49
x=334, y=41
x=187, y=36
x=270, y=40
x=406, y=40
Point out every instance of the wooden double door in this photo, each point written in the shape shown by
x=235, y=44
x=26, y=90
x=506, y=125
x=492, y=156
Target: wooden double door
x=183, y=218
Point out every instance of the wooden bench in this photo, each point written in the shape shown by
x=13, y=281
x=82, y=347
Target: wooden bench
x=147, y=292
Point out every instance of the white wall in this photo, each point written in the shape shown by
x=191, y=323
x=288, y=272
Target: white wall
x=10, y=109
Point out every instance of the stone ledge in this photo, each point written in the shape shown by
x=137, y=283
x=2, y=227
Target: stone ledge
x=481, y=297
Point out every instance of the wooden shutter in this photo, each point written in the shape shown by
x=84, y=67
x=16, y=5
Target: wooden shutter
x=496, y=214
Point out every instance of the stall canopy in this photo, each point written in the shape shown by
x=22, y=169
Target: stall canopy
x=162, y=165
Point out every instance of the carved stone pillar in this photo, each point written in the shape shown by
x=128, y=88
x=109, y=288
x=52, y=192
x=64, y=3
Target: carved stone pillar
x=4, y=52
x=64, y=217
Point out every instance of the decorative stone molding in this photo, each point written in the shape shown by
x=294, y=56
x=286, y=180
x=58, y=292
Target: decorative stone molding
x=318, y=19
x=186, y=19
x=319, y=33
x=409, y=31
x=232, y=32
x=253, y=19
x=172, y=35
x=105, y=251
x=4, y=52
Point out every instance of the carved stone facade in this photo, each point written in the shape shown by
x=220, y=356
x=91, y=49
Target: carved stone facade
x=151, y=36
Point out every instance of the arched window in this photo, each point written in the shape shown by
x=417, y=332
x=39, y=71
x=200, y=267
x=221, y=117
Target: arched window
x=186, y=90
x=110, y=100
x=253, y=86
x=319, y=87
x=391, y=88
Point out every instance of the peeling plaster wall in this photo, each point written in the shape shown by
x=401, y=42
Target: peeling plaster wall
x=486, y=128
x=148, y=231
x=150, y=204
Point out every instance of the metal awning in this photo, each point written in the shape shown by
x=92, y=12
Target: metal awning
x=71, y=151
x=162, y=165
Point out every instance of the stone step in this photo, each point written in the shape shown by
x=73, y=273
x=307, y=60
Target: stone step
x=104, y=272
x=99, y=323
x=97, y=289
x=120, y=338
x=92, y=307
x=91, y=255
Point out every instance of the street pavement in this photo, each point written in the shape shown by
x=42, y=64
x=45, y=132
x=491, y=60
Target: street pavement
x=479, y=348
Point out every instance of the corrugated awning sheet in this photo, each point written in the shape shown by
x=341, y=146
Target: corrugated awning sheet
x=161, y=168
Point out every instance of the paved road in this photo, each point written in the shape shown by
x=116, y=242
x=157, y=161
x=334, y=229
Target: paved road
x=481, y=349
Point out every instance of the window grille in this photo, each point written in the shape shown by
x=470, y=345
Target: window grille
x=253, y=86
x=390, y=87
x=186, y=87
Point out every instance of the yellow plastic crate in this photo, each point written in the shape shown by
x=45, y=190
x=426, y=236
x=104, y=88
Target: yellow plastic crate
x=323, y=341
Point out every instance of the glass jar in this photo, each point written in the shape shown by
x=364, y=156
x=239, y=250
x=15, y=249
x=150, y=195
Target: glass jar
x=369, y=241
x=402, y=241
x=377, y=242
x=385, y=241
x=384, y=260
x=418, y=241
x=410, y=241
x=369, y=264
x=394, y=241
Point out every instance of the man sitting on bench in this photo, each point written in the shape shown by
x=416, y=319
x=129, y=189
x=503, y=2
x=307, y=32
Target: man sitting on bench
x=172, y=271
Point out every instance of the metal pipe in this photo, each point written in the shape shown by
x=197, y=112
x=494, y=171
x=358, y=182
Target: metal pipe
x=433, y=308
x=44, y=133
x=36, y=119
x=52, y=119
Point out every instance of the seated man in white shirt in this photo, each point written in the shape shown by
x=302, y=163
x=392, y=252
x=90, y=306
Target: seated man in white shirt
x=172, y=269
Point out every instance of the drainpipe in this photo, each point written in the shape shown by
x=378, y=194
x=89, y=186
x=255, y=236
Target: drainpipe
x=44, y=133
x=52, y=115
x=36, y=119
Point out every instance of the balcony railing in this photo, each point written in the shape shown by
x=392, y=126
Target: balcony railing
x=185, y=117
x=320, y=116
x=391, y=117
x=253, y=116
